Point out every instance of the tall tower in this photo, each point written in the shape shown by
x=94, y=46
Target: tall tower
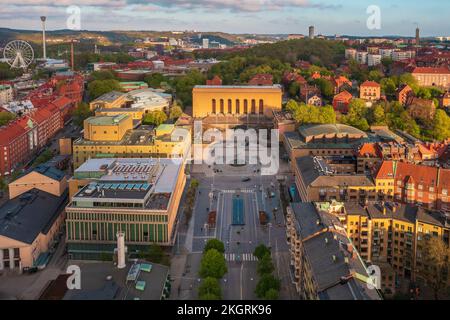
x=44, y=50
x=72, y=63
x=311, y=32
x=417, y=36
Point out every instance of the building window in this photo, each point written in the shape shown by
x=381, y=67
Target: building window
x=222, y=107
x=214, y=111
x=261, y=106
x=238, y=106
x=245, y=106
x=253, y=106
x=230, y=110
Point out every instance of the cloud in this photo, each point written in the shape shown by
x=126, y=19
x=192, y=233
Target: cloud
x=232, y=5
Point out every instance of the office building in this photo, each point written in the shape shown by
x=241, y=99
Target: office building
x=139, y=197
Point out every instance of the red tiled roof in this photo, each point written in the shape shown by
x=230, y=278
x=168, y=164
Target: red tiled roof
x=13, y=130
x=344, y=95
x=426, y=175
x=431, y=70
x=369, y=149
x=370, y=84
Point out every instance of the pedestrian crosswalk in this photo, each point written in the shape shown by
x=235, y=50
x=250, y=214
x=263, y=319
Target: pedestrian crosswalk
x=240, y=257
x=238, y=191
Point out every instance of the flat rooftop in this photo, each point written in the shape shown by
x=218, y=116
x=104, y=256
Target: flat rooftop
x=110, y=96
x=96, y=286
x=107, y=120
x=148, y=182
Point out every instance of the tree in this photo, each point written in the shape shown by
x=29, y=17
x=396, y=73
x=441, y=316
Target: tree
x=356, y=116
x=81, y=113
x=194, y=183
x=265, y=265
x=265, y=283
x=388, y=86
x=154, y=253
x=154, y=80
x=214, y=244
x=213, y=264
x=260, y=251
x=156, y=118
x=43, y=158
x=175, y=112
x=271, y=294
x=99, y=87
x=375, y=75
x=210, y=289
x=441, y=125
x=183, y=86
x=294, y=88
x=6, y=117
x=378, y=116
x=101, y=75
x=326, y=87
x=435, y=264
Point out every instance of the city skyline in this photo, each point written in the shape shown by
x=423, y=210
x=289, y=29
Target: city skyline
x=328, y=16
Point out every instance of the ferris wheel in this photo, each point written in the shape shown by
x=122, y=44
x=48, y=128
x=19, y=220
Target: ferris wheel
x=18, y=54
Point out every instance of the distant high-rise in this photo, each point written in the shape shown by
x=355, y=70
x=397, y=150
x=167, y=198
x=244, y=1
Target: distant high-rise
x=311, y=32
x=205, y=43
x=417, y=36
x=44, y=50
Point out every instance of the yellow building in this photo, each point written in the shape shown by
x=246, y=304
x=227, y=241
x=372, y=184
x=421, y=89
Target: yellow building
x=43, y=177
x=135, y=113
x=389, y=235
x=107, y=128
x=113, y=99
x=236, y=100
x=136, y=143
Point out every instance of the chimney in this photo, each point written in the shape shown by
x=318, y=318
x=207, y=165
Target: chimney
x=44, y=50
x=121, y=250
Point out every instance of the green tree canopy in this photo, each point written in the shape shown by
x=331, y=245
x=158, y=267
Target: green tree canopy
x=101, y=75
x=81, y=113
x=155, y=118
x=210, y=289
x=265, y=283
x=265, y=265
x=154, y=80
x=271, y=294
x=99, y=87
x=214, y=244
x=175, y=112
x=213, y=264
x=441, y=125
x=326, y=87
x=260, y=251
x=6, y=117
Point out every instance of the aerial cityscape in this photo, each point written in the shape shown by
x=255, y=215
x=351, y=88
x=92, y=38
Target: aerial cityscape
x=247, y=150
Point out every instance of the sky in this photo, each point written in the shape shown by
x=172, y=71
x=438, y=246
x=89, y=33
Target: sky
x=341, y=17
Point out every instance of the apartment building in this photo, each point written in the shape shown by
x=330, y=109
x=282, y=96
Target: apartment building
x=390, y=235
x=416, y=184
x=370, y=91
x=318, y=242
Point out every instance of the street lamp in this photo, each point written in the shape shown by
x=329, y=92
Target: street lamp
x=269, y=225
